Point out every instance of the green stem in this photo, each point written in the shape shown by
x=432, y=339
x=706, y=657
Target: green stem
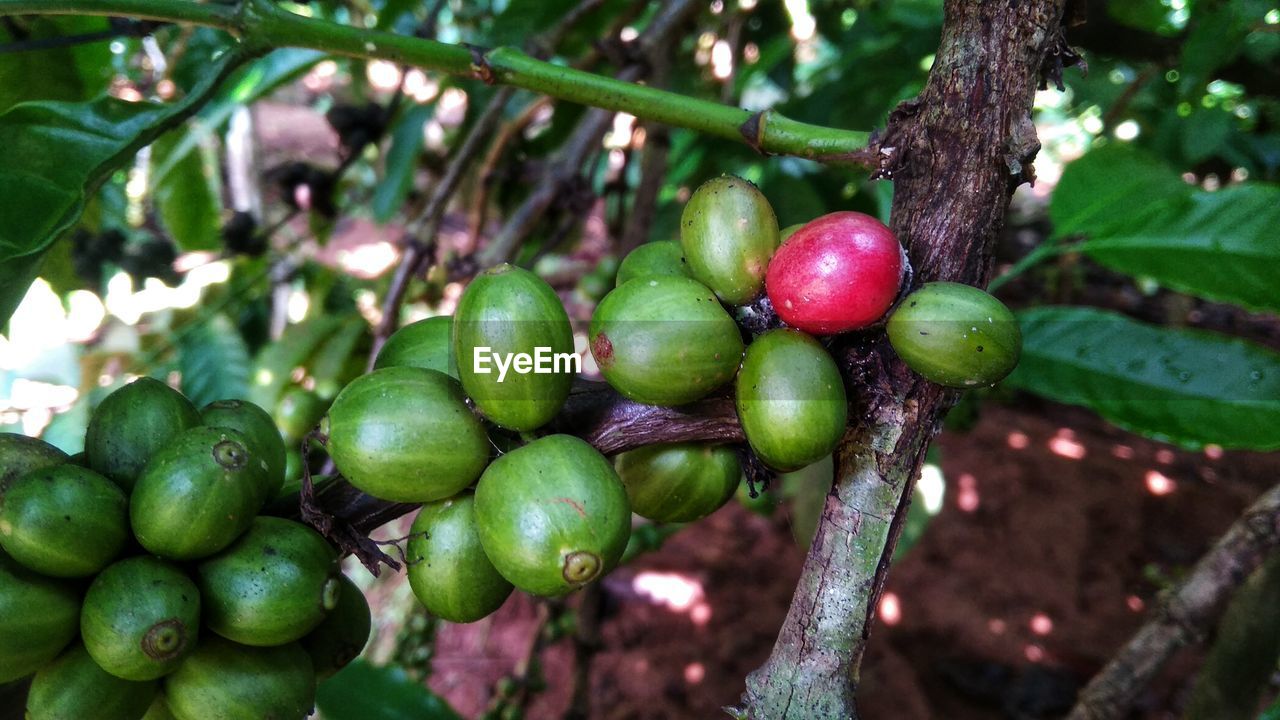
x=262, y=25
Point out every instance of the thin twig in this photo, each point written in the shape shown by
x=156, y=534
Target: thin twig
x=651, y=44
x=586, y=643
x=419, y=237
x=1186, y=614
x=1117, y=109
x=488, y=172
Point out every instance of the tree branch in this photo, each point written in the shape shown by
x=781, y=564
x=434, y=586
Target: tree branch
x=263, y=25
x=956, y=153
x=594, y=412
x=1187, y=613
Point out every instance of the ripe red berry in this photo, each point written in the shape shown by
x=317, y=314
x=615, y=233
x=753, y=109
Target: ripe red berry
x=839, y=272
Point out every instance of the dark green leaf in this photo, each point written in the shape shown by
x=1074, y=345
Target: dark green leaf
x=56, y=155
x=332, y=360
x=72, y=73
x=401, y=163
x=523, y=19
x=1110, y=188
x=214, y=362
x=1220, y=245
x=392, y=10
x=189, y=198
x=58, y=270
x=1149, y=15
x=274, y=365
x=16, y=275
x=1189, y=387
x=362, y=691
x=1215, y=39
x=1204, y=133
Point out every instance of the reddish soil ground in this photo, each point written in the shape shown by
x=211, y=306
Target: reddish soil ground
x=1056, y=535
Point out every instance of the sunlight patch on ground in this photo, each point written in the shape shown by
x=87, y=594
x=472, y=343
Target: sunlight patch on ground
x=932, y=488
x=890, y=609
x=967, y=498
x=677, y=592
x=1041, y=624
x=1064, y=444
x=1159, y=484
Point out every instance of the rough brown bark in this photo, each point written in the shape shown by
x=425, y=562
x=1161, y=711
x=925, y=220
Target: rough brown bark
x=955, y=154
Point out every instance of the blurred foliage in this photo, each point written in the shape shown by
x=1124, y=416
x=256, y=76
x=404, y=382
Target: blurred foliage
x=394, y=693
x=1242, y=660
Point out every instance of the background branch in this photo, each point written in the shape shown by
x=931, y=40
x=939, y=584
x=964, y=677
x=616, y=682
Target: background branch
x=566, y=172
x=1187, y=614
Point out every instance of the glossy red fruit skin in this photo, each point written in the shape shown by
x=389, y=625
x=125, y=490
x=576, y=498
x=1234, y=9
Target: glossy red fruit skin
x=839, y=272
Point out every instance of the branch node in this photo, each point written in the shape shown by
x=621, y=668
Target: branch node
x=753, y=130
x=1058, y=57
x=480, y=65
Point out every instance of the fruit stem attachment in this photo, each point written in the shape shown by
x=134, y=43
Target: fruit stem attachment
x=165, y=640
x=581, y=567
x=263, y=24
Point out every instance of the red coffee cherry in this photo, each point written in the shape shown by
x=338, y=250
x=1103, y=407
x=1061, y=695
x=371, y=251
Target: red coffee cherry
x=839, y=272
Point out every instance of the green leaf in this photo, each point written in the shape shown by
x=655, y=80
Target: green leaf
x=274, y=365
x=401, y=163
x=214, y=362
x=1205, y=132
x=391, y=12
x=1149, y=15
x=362, y=691
x=1215, y=39
x=330, y=366
x=1188, y=387
x=74, y=73
x=1111, y=188
x=189, y=200
x=56, y=155
x=16, y=275
x=1219, y=245
x=1271, y=713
